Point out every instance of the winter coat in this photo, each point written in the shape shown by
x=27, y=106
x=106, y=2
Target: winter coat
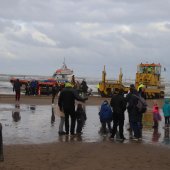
x=17, y=86
x=166, y=108
x=105, y=112
x=118, y=104
x=81, y=115
x=66, y=100
x=156, y=113
x=132, y=100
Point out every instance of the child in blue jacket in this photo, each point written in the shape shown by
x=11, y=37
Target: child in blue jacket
x=106, y=116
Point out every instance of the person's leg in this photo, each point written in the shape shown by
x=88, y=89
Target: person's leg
x=16, y=96
x=114, y=130
x=53, y=97
x=109, y=126
x=121, y=124
x=103, y=127
x=155, y=124
x=62, y=120
x=79, y=126
x=169, y=120
x=166, y=120
x=73, y=121
x=136, y=129
x=19, y=96
x=66, y=123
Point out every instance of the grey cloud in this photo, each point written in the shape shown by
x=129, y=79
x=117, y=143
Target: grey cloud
x=88, y=33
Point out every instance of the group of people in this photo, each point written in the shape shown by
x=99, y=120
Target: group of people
x=135, y=103
x=116, y=109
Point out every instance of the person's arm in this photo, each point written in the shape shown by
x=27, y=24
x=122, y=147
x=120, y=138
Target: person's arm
x=78, y=97
x=60, y=101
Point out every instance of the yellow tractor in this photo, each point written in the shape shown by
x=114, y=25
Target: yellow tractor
x=108, y=87
x=147, y=75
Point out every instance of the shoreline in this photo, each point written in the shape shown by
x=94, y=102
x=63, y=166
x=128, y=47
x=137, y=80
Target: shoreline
x=47, y=100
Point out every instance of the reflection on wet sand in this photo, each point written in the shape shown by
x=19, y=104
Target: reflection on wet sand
x=16, y=113
x=52, y=116
x=72, y=138
x=166, y=136
x=156, y=135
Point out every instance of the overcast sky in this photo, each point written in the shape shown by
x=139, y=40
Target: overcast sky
x=36, y=36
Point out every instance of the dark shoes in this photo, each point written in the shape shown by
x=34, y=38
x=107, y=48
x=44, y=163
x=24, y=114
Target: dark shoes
x=62, y=133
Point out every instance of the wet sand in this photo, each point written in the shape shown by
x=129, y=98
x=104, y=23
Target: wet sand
x=45, y=100
x=75, y=155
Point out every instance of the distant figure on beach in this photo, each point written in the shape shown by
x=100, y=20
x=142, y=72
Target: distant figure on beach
x=33, y=86
x=73, y=82
x=118, y=104
x=27, y=89
x=166, y=111
x=81, y=118
x=17, y=88
x=66, y=103
x=156, y=115
x=106, y=116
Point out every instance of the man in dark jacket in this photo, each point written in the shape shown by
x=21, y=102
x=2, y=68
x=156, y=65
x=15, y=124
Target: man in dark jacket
x=118, y=104
x=66, y=103
x=17, y=89
x=134, y=116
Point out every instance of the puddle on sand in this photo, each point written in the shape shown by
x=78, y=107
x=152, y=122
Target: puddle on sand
x=28, y=124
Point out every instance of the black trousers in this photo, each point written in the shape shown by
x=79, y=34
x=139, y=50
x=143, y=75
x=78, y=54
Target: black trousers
x=118, y=122
x=104, y=126
x=167, y=120
x=80, y=124
x=73, y=121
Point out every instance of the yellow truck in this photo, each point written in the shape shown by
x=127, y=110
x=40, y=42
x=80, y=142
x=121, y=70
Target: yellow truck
x=149, y=75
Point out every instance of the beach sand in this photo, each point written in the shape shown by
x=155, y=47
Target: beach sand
x=75, y=155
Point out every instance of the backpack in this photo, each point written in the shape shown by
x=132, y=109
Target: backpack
x=141, y=105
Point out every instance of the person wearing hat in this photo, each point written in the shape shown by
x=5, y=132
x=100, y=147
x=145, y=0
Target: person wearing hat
x=66, y=103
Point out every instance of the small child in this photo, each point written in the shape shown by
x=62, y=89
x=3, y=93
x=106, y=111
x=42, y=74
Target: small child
x=166, y=111
x=81, y=118
x=106, y=116
x=156, y=115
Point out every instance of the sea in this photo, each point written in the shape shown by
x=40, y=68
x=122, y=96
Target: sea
x=6, y=86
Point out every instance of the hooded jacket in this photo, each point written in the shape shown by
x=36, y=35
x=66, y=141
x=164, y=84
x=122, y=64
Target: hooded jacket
x=105, y=112
x=166, y=107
